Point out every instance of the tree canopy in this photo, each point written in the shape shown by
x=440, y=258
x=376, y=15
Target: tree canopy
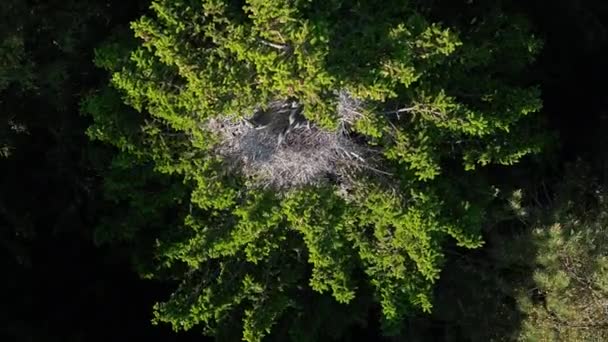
x=429, y=101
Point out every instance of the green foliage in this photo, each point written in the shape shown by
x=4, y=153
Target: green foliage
x=15, y=69
x=542, y=276
x=50, y=198
x=571, y=272
x=15, y=65
x=437, y=99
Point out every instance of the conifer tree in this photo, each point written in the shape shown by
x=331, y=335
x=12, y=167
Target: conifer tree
x=568, y=295
x=383, y=115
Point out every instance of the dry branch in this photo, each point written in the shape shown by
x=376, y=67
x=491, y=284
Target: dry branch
x=285, y=152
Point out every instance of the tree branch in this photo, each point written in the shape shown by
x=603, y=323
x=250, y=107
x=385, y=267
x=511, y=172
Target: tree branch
x=282, y=47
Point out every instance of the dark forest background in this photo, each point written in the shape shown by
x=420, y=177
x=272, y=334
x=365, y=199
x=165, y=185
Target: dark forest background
x=59, y=285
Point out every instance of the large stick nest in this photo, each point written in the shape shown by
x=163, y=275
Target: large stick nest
x=278, y=148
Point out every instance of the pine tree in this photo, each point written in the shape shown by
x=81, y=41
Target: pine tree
x=398, y=111
x=569, y=295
